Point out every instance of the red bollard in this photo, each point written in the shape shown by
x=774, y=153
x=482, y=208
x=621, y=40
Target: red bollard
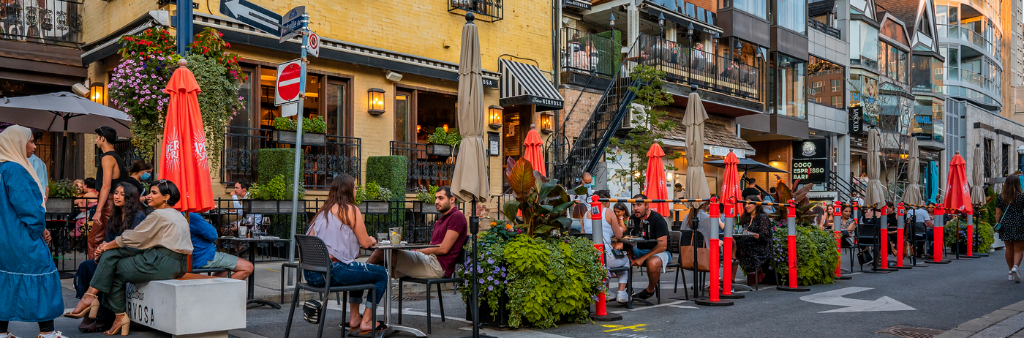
x=713, y=298
x=900, y=223
x=791, y=227
x=970, y=234
x=596, y=229
x=836, y=224
x=730, y=219
x=938, y=248
x=883, y=241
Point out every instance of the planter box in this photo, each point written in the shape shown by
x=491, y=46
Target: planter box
x=308, y=139
x=59, y=205
x=267, y=207
x=437, y=149
x=499, y=321
x=424, y=208
x=375, y=207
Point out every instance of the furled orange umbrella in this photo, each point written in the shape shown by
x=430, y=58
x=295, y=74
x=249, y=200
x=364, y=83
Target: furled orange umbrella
x=958, y=193
x=731, y=180
x=655, y=186
x=533, y=152
x=184, y=145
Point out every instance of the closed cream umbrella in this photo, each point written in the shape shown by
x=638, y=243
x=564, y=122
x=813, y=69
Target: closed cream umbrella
x=876, y=193
x=912, y=195
x=977, y=180
x=469, y=181
x=696, y=182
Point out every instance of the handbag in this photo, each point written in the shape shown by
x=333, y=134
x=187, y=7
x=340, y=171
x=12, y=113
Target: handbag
x=864, y=257
x=999, y=226
x=703, y=256
x=311, y=311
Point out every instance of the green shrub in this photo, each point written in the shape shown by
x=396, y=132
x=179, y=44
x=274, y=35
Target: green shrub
x=63, y=189
x=391, y=172
x=373, y=192
x=609, y=51
x=450, y=137
x=427, y=194
x=315, y=125
x=275, y=189
x=275, y=161
x=816, y=255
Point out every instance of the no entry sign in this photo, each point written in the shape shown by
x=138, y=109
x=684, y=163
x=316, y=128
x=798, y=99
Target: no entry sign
x=289, y=77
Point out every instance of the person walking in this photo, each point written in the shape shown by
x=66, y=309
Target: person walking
x=109, y=172
x=31, y=283
x=1010, y=213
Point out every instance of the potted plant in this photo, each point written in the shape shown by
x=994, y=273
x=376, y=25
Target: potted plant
x=312, y=131
x=61, y=198
x=273, y=196
x=374, y=199
x=443, y=143
x=425, y=197
x=529, y=273
x=816, y=249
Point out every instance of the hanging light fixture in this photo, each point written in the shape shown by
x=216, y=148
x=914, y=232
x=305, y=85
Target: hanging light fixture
x=494, y=116
x=375, y=101
x=97, y=92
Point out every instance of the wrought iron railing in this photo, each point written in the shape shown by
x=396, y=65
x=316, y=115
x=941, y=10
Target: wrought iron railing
x=485, y=10
x=424, y=169
x=68, y=231
x=825, y=28
x=705, y=69
x=42, y=21
x=241, y=146
x=583, y=52
x=841, y=187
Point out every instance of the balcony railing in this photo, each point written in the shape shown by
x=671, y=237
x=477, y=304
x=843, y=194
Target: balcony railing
x=424, y=169
x=485, y=10
x=979, y=80
x=824, y=28
x=241, y=146
x=705, y=69
x=42, y=21
x=583, y=52
x=975, y=39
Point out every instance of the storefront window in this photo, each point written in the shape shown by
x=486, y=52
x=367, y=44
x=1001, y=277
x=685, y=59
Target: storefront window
x=864, y=92
x=758, y=8
x=791, y=14
x=791, y=76
x=826, y=79
x=922, y=126
x=863, y=45
x=938, y=117
x=336, y=108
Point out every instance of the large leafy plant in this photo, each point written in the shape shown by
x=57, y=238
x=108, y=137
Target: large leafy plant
x=276, y=189
x=815, y=251
x=63, y=189
x=541, y=202
x=373, y=192
x=440, y=136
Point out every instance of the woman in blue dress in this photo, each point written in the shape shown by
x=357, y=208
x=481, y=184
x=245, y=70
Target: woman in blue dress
x=31, y=284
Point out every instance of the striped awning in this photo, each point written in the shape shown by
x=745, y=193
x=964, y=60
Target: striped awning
x=524, y=84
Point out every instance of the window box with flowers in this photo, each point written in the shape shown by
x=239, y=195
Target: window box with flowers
x=312, y=131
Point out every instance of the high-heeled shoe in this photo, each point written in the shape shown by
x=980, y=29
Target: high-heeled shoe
x=93, y=308
x=121, y=323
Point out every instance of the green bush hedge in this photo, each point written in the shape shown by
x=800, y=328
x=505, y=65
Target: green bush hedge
x=275, y=161
x=391, y=172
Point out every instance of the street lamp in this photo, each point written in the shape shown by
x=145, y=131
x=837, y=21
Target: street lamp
x=661, y=23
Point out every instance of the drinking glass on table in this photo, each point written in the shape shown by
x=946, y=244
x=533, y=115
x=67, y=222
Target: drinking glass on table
x=396, y=235
x=382, y=237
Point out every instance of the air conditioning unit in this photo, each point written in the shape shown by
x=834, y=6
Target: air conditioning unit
x=627, y=121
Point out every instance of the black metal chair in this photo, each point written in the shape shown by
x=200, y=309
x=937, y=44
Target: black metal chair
x=433, y=281
x=684, y=237
x=867, y=238
x=313, y=256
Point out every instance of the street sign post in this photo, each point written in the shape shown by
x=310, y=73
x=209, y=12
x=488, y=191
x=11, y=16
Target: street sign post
x=288, y=86
x=303, y=28
x=252, y=15
x=314, y=44
x=292, y=24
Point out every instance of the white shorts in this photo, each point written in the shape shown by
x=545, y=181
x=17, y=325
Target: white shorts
x=416, y=264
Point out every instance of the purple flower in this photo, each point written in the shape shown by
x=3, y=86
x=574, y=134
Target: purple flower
x=490, y=261
x=481, y=281
x=490, y=288
x=490, y=278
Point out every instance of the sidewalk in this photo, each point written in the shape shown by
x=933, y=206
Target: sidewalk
x=1005, y=322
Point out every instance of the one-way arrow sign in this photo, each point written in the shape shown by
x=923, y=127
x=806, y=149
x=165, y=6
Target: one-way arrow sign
x=835, y=297
x=252, y=15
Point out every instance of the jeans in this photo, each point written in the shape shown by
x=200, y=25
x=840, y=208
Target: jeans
x=353, y=274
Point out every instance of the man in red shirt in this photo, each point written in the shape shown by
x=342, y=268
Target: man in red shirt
x=449, y=236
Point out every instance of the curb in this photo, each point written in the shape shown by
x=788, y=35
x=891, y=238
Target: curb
x=989, y=325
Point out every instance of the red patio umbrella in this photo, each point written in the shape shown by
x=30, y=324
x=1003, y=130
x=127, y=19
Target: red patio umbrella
x=730, y=189
x=533, y=152
x=184, y=146
x=958, y=193
x=731, y=180
x=655, y=186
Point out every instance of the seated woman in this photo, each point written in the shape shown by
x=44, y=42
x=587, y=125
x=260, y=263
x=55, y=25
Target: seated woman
x=127, y=215
x=611, y=230
x=157, y=249
x=87, y=203
x=340, y=225
x=755, y=250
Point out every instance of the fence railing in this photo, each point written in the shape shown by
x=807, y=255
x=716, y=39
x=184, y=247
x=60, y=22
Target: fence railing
x=42, y=21
x=705, y=69
x=584, y=52
x=337, y=155
x=67, y=222
x=824, y=28
x=425, y=169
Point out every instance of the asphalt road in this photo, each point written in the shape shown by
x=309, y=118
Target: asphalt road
x=941, y=297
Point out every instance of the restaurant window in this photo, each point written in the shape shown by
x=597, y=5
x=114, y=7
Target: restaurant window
x=863, y=45
x=242, y=119
x=758, y=8
x=791, y=74
x=269, y=111
x=434, y=111
x=403, y=100
x=337, y=119
x=791, y=14
x=821, y=71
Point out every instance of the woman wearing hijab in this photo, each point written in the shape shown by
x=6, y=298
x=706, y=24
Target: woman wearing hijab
x=31, y=284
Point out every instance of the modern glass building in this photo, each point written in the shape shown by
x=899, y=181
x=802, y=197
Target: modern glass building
x=969, y=37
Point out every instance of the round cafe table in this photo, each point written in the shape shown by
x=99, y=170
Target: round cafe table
x=387, y=247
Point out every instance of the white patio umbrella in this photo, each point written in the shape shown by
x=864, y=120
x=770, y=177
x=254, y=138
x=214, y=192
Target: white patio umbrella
x=913, y=193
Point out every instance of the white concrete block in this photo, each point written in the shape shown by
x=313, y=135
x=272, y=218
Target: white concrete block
x=197, y=307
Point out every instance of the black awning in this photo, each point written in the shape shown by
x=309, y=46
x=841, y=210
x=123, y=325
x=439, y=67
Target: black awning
x=524, y=84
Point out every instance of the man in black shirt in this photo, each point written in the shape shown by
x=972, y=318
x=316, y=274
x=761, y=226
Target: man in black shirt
x=651, y=226
x=751, y=188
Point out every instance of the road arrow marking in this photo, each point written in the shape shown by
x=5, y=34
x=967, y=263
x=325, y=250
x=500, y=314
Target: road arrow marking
x=835, y=297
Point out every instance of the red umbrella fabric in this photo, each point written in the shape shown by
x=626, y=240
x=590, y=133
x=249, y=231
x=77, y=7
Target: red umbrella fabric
x=958, y=193
x=184, y=145
x=731, y=180
x=533, y=152
x=655, y=186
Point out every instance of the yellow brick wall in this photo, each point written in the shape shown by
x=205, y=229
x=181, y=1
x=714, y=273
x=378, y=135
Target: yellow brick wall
x=104, y=17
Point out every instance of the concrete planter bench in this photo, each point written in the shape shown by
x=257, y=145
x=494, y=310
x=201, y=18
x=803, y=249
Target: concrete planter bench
x=189, y=308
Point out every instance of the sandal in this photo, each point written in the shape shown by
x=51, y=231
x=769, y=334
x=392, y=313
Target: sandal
x=381, y=328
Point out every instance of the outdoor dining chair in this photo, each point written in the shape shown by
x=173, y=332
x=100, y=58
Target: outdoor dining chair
x=428, y=282
x=867, y=238
x=313, y=257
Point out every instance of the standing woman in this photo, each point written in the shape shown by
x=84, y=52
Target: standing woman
x=1009, y=209
x=754, y=251
x=157, y=249
x=31, y=284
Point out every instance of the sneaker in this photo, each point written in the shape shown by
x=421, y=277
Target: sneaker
x=643, y=294
x=1016, y=275
x=1009, y=276
x=622, y=297
x=7, y=335
x=54, y=334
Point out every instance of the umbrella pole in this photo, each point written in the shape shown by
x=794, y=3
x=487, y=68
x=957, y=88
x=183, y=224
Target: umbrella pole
x=64, y=149
x=474, y=306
